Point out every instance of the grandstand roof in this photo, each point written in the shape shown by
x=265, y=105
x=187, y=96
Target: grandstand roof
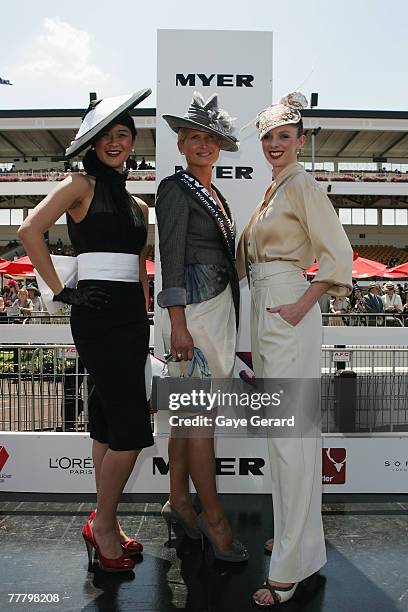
x=357, y=135
x=46, y=133
x=344, y=135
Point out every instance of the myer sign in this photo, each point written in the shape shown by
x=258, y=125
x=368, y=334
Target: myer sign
x=216, y=62
x=211, y=80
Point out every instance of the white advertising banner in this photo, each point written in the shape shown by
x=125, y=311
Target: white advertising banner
x=357, y=336
x=62, y=463
x=238, y=67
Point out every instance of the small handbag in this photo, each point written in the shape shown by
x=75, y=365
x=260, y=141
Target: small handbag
x=179, y=382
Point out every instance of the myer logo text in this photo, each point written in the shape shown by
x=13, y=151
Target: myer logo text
x=228, y=172
x=225, y=466
x=210, y=80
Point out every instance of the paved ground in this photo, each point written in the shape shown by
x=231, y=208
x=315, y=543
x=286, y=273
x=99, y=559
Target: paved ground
x=42, y=552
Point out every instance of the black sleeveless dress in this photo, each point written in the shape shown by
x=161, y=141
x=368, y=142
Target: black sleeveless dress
x=113, y=343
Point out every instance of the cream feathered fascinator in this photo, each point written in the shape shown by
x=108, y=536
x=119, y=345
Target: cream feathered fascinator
x=287, y=111
x=207, y=117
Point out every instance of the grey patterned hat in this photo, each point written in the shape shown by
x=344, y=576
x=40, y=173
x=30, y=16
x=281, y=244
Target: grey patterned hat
x=207, y=117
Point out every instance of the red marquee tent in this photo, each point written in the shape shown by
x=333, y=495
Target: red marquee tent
x=362, y=268
x=150, y=267
x=17, y=267
x=400, y=271
x=24, y=267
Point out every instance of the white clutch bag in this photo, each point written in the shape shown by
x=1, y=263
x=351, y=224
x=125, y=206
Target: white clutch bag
x=67, y=270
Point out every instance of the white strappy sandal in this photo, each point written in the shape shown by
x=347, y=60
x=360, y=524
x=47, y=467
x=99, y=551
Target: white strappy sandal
x=279, y=595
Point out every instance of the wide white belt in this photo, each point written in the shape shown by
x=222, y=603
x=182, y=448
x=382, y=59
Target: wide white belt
x=267, y=269
x=121, y=267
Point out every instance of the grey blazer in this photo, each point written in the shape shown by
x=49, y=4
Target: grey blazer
x=187, y=235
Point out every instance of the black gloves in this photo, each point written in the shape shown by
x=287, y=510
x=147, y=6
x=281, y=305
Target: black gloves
x=92, y=297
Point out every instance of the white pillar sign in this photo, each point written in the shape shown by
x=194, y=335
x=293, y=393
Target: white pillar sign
x=238, y=67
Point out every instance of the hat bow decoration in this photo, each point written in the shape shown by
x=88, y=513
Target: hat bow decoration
x=217, y=118
x=205, y=116
x=287, y=111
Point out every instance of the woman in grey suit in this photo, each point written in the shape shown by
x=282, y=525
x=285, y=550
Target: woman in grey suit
x=200, y=296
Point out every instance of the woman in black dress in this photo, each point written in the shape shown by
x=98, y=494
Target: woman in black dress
x=107, y=228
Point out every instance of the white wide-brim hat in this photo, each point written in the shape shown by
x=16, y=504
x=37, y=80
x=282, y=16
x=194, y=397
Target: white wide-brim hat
x=207, y=117
x=103, y=113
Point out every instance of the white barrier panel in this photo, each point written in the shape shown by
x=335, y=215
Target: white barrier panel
x=62, y=463
x=43, y=334
x=238, y=67
x=356, y=336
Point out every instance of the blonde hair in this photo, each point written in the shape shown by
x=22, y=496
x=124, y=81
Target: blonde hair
x=182, y=134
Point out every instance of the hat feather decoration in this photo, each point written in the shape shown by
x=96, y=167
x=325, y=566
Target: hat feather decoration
x=286, y=112
x=208, y=117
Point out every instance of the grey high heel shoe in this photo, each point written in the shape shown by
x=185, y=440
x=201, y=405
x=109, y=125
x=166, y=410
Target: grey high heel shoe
x=172, y=517
x=234, y=554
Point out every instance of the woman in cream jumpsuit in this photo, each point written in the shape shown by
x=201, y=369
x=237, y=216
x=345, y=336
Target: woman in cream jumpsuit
x=294, y=224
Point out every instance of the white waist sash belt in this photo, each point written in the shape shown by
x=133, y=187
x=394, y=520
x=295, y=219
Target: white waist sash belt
x=121, y=267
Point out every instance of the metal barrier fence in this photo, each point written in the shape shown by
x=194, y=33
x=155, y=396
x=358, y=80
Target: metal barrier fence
x=366, y=319
x=374, y=390
x=42, y=388
x=40, y=318
x=36, y=318
x=45, y=388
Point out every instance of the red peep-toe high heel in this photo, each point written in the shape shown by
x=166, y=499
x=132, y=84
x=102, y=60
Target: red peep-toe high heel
x=121, y=564
x=131, y=546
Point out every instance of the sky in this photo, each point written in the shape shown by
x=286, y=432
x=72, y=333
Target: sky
x=352, y=52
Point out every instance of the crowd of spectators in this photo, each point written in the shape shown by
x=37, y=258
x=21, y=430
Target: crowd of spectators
x=59, y=248
x=19, y=300
x=58, y=174
x=132, y=164
x=352, y=176
x=386, y=305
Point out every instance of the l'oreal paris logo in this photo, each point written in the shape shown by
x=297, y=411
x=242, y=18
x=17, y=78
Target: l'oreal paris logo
x=77, y=466
x=211, y=80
